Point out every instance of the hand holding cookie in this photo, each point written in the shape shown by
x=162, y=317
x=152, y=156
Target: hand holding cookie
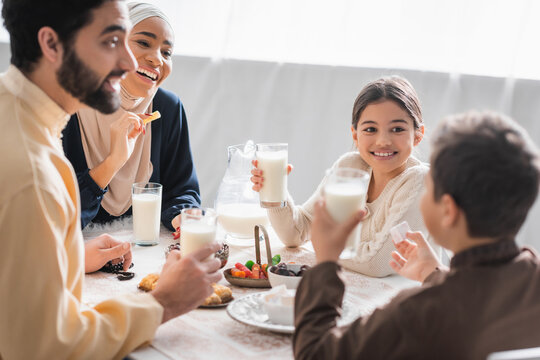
x=104, y=248
x=184, y=283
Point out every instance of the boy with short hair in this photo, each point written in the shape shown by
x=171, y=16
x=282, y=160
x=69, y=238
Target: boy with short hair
x=483, y=180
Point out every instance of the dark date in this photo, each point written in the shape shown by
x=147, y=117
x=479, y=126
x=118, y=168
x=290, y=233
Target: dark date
x=282, y=269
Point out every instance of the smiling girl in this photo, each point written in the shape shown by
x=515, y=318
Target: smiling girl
x=111, y=152
x=386, y=125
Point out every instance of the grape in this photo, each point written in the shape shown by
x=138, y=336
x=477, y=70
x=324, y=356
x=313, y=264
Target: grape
x=282, y=271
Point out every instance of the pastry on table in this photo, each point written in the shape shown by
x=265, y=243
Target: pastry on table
x=211, y=300
x=148, y=283
x=221, y=295
x=224, y=293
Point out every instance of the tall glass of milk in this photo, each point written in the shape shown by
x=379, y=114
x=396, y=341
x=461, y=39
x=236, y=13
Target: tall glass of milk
x=345, y=192
x=198, y=228
x=146, y=206
x=272, y=159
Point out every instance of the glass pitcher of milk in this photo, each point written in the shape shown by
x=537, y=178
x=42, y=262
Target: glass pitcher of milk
x=237, y=204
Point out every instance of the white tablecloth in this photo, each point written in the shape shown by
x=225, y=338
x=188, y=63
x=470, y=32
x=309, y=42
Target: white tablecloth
x=211, y=333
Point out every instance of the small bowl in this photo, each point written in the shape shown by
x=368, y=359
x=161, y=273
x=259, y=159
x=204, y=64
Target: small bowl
x=291, y=282
x=280, y=311
x=222, y=254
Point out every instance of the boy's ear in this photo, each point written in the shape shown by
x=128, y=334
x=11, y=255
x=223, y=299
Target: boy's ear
x=354, y=133
x=50, y=45
x=450, y=211
x=419, y=135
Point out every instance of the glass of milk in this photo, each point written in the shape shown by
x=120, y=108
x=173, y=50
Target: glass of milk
x=272, y=159
x=345, y=192
x=198, y=228
x=146, y=207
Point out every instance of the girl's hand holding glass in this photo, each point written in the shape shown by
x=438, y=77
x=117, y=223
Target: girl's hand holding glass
x=257, y=178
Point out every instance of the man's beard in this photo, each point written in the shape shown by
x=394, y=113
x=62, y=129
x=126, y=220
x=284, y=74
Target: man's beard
x=84, y=84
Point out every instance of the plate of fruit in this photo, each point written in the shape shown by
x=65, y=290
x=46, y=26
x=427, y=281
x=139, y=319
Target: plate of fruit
x=250, y=274
x=253, y=273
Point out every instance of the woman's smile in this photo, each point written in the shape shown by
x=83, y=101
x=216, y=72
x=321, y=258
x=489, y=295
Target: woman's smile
x=148, y=75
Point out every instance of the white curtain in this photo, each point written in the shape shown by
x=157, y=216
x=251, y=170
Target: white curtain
x=485, y=37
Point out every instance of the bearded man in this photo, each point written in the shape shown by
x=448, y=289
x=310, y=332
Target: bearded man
x=67, y=54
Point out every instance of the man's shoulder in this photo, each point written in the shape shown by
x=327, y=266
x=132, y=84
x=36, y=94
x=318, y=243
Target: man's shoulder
x=27, y=163
x=3, y=90
x=31, y=168
x=7, y=99
x=15, y=163
x=424, y=298
x=464, y=282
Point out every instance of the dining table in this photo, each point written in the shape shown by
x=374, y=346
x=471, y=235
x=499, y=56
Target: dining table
x=211, y=333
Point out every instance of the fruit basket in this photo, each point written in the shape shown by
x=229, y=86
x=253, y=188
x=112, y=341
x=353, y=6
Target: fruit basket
x=251, y=278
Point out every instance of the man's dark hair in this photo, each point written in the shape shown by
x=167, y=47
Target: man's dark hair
x=24, y=18
x=490, y=167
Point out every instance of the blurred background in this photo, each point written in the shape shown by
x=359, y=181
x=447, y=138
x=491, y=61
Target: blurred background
x=289, y=71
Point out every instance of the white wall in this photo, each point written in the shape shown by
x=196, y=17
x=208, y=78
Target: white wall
x=309, y=106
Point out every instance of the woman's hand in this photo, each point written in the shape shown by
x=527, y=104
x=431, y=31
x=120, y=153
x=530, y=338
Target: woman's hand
x=329, y=237
x=257, y=178
x=124, y=134
x=176, y=221
x=176, y=224
x=414, y=260
x=104, y=248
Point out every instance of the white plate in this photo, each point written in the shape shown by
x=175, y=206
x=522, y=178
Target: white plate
x=249, y=310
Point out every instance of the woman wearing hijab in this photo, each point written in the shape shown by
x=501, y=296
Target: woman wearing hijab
x=111, y=152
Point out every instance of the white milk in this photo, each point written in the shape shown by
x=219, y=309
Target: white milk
x=342, y=200
x=274, y=167
x=146, y=217
x=194, y=235
x=240, y=219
